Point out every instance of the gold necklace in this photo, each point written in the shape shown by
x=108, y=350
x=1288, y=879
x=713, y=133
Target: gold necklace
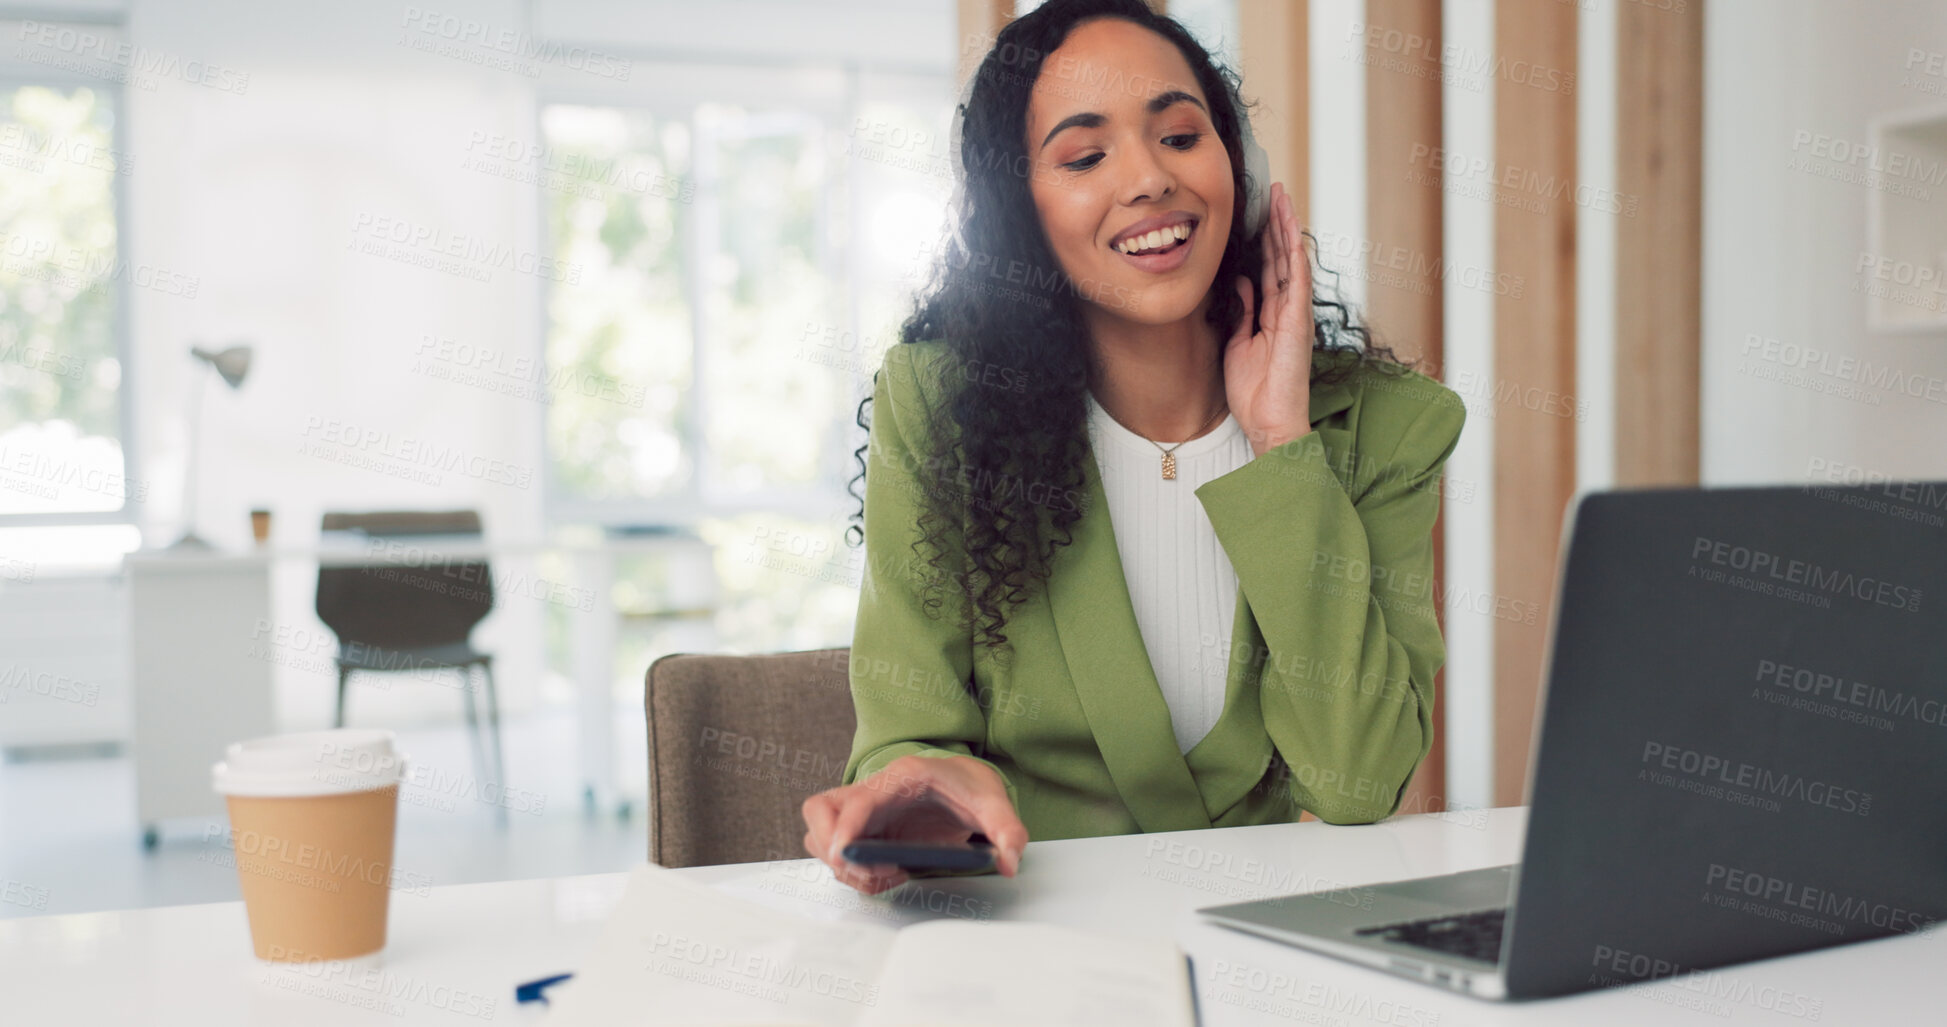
x=1169, y=455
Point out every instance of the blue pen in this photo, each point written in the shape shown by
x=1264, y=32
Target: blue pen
x=534, y=991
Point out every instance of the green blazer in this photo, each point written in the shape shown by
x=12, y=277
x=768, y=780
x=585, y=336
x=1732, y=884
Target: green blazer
x=1328, y=705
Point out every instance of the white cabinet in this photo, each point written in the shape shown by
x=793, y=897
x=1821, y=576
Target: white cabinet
x=201, y=675
x=63, y=658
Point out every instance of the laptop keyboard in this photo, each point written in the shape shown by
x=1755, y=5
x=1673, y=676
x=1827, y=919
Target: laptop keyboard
x=1470, y=935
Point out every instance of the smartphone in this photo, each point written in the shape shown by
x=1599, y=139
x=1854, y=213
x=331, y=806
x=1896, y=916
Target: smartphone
x=977, y=855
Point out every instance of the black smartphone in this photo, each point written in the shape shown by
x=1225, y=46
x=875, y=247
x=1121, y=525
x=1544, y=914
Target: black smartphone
x=977, y=855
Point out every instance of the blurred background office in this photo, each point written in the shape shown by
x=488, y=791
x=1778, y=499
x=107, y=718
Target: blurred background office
x=545, y=324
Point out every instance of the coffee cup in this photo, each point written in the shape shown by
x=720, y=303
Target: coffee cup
x=312, y=820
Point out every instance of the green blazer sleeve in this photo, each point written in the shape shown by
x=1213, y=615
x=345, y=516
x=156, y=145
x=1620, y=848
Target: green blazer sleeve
x=1333, y=548
x=909, y=667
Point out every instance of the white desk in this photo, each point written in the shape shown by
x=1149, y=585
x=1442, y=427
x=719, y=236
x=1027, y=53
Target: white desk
x=464, y=947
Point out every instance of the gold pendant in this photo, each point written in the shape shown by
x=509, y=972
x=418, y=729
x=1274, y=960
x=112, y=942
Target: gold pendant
x=1169, y=466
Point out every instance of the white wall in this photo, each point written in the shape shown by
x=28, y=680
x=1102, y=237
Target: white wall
x=1337, y=96
x=912, y=33
x=1468, y=337
x=1781, y=244
x=257, y=194
x=1595, y=248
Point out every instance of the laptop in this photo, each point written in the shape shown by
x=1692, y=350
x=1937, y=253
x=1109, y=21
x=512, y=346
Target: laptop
x=1739, y=754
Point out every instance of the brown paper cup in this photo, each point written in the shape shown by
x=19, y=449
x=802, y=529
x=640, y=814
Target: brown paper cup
x=316, y=872
x=312, y=821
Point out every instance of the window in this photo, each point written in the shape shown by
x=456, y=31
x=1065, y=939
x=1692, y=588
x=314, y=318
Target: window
x=707, y=251
x=62, y=276
x=745, y=263
x=628, y=320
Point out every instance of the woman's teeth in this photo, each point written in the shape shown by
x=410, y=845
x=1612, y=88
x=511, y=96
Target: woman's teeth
x=1154, y=240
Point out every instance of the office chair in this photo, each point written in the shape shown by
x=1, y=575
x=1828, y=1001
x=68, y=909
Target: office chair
x=736, y=745
x=415, y=615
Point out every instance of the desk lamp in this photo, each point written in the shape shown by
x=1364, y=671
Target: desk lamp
x=232, y=364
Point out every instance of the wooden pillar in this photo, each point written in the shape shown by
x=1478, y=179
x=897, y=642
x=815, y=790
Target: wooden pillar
x=1274, y=47
x=1531, y=394
x=980, y=22
x=1659, y=244
x=1403, y=194
x=1404, y=298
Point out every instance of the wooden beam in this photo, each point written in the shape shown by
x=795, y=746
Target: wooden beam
x=980, y=22
x=1403, y=187
x=1659, y=243
x=1274, y=47
x=1404, y=298
x=1531, y=396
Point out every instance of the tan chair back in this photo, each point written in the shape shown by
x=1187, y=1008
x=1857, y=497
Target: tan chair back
x=736, y=744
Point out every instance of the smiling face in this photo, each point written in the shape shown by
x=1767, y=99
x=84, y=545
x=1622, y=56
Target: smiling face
x=1133, y=186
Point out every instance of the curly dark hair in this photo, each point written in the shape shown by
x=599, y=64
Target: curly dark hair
x=1001, y=456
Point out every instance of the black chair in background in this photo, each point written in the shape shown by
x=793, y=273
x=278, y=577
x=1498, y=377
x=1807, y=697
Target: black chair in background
x=413, y=610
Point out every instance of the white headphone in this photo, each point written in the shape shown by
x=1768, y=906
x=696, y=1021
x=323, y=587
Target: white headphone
x=1257, y=169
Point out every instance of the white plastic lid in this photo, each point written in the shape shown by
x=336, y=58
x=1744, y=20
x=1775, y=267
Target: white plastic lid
x=310, y=763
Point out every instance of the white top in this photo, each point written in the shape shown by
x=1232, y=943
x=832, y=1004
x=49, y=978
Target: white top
x=1180, y=580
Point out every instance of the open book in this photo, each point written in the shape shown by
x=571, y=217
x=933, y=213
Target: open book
x=680, y=952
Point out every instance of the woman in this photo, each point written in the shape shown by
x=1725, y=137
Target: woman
x=1148, y=546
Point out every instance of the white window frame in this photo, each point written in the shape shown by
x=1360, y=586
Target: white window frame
x=671, y=88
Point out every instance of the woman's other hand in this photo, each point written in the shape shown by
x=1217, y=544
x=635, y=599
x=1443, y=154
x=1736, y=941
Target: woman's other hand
x=938, y=800
x=1267, y=372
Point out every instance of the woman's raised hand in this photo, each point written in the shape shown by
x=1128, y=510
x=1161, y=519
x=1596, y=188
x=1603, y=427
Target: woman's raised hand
x=942, y=800
x=1267, y=372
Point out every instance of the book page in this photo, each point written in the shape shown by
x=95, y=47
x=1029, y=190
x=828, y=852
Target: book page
x=679, y=952
x=949, y=974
